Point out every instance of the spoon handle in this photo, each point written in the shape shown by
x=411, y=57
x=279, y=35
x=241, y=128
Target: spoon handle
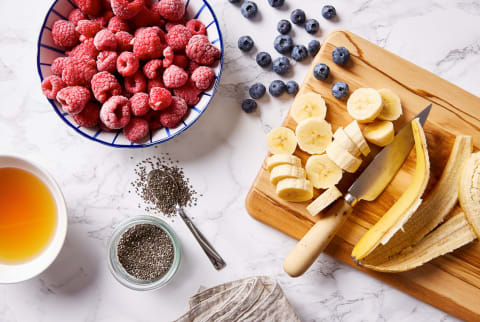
x=212, y=254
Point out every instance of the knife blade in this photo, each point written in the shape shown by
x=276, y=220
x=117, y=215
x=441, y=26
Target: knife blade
x=368, y=186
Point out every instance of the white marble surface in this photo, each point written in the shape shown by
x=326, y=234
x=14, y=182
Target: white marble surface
x=221, y=154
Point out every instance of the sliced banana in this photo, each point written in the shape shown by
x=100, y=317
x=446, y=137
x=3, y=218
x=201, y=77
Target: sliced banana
x=281, y=140
x=364, y=105
x=314, y=135
x=278, y=159
x=296, y=190
x=343, y=158
x=286, y=171
x=392, y=108
x=322, y=172
x=324, y=200
x=344, y=140
x=380, y=133
x=308, y=105
x=355, y=134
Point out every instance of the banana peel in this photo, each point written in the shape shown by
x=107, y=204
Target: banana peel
x=469, y=191
x=403, y=209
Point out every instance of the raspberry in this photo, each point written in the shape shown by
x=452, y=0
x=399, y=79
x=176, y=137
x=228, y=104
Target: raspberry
x=201, y=51
x=203, y=77
x=64, y=34
x=153, y=68
x=174, y=77
x=192, y=66
x=104, y=86
x=147, y=17
x=126, y=9
x=51, y=85
x=127, y=64
x=136, y=83
x=156, y=82
x=85, y=50
x=73, y=98
x=115, y=113
x=105, y=40
x=189, y=93
x=89, y=7
x=160, y=98
x=107, y=61
x=75, y=16
x=180, y=61
x=172, y=10
x=174, y=113
x=153, y=119
x=139, y=104
x=124, y=41
x=89, y=116
x=136, y=129
x=168, y=56
x=148, y=43
x=106, y=5
x=105, y=128
x=57, y=66
x=88, y=28
x=117, y=24
x=196, y=27
x=178, y=37
x=104, y=18
x=169, y=25
x=78, y=71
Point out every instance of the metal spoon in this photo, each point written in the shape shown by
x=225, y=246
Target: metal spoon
x=211, y=253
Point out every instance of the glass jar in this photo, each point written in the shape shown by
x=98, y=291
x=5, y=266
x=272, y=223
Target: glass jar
x=121, y=274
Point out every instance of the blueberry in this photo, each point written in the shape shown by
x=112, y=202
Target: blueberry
x=257, y=90
x=312, y=26
x=313, y=47
x=340, y=55
x=298, y=16
x=249, y=105
x=276, y=3
x=245, y=43
x=263, y=59
x=276, y=88
x=249, y=9
x=328, y=12
x=284, y=26
x=281, y=65
x=292, y=87
x=283, y=43
x=321, y=71
x=299, y=52
x=340, y=90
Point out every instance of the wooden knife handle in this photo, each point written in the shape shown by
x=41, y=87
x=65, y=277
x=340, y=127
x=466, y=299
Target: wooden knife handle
x=316, y=239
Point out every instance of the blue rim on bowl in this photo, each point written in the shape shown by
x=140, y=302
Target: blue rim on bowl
x=163, y=134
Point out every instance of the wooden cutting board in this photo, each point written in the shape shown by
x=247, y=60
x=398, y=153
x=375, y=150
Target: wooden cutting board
x=450, y=283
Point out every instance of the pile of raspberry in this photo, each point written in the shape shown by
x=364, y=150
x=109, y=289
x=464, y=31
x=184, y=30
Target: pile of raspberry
x=130, y=65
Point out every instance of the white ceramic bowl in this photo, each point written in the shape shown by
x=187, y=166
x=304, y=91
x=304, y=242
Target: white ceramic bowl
x=47, y=51
x=14, y=273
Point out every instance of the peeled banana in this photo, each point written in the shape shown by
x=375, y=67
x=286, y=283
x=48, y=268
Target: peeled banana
x=392, y=108
x=322, y=172
x=295, y=190
x=314, y=135
x=469, y=191
x=286, y=171
x=281, y=140
x=346, y=142
x=324, y=200
x=308, y=105
x=380, y=133
x=355, y=134
x=278, y=159
x=343, y=158
x=364, y=105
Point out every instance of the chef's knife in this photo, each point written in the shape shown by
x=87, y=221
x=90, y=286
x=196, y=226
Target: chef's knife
x=368, y=186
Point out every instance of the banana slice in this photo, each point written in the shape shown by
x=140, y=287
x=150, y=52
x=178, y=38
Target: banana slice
x=296, y=190
x=364, y=105
x=278, y=159
x=308, y=105
x=392, y=108
x=324, y=200
x=344, y=140
x=343, y=158
x=314, y=135
x=286, y=171
x=322, y=172
x=380, y=133
x=281, y=140
x=355, y=134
